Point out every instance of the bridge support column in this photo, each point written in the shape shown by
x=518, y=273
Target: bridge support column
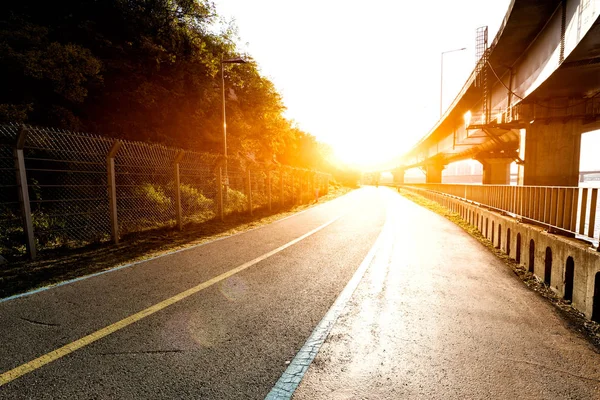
x=398, y=176
x=433, y=173
x=496, y=171
x=551, y=154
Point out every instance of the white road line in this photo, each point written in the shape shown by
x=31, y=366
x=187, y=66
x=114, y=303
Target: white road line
x=290, y=379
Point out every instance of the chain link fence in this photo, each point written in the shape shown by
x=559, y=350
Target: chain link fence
x=82, y=188
x=11, y=229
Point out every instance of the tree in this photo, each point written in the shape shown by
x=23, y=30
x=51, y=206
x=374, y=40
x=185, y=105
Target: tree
x=142, y=70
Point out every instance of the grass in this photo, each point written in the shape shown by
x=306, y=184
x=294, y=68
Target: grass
x=575, y=319
x=53, y=267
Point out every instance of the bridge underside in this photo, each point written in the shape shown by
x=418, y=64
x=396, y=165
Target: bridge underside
x=542, y=52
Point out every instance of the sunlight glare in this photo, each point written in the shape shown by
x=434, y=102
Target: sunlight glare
x=367, y=154
x=467, y=118
x=371, y=97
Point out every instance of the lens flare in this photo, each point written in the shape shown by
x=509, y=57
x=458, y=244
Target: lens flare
x=233, y=289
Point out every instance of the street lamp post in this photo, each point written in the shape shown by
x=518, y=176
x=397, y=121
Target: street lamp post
x=442, y=74
x=237, y=60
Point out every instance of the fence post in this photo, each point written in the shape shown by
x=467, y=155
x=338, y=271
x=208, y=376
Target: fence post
x=301, y=186
x=249, y=185
x=311, y=187
x=178, y=213
x=269, y=189
x=294, y=189
x=291, y=183
x=306, y=194
x=220, y=206
x=24, y=193
x=281, y=200
x=112, y=190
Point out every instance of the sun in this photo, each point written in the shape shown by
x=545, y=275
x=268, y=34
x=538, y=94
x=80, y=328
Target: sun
x=364, y=155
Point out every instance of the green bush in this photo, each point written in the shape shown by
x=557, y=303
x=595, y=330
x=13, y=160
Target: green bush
x=195, y=205
x=153, y=196
x=193, y=198
x=235, y=201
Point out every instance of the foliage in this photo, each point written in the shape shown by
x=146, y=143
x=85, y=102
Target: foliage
x=153, y=196
x=193, y=198
x=235, y=201
x=142, y=70
x=347, y=177
x=195, y=204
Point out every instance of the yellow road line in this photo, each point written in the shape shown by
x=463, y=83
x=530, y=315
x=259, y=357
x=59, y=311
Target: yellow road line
x=47, y=358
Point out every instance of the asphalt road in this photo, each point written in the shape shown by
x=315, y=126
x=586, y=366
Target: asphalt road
x=228, y=341
x=435, y=316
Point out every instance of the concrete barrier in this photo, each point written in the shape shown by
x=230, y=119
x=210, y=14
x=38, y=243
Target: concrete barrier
x=545, y=254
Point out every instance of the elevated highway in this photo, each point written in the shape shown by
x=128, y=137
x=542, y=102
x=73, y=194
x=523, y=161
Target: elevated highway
x=529, y=99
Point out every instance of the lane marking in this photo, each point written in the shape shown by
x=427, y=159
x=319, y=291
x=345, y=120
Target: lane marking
x=291, y=377
x=47, y=358
x=117, y=268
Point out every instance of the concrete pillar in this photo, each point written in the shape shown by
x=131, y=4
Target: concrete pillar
x=398, y=176
x=496, y=171
x=551, y=153
x=434, y=173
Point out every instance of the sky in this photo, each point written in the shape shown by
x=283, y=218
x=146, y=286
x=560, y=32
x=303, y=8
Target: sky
x=363, y=76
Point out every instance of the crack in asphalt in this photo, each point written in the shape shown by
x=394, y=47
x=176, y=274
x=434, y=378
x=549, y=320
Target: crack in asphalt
x=120, y=353
x=550, y=368
x=34, y=322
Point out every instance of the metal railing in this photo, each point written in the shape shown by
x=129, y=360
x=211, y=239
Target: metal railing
x=569, y=209
x=60, y=188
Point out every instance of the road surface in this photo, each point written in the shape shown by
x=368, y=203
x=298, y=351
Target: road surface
x=434, y=316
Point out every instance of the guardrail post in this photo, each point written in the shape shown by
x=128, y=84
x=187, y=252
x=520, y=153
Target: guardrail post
x=220, y=205
x=24, y=193
x=178, y=212
x=249, y=184
x=112, y=190
x=593, y=205
x=269, y=189
x=573, y=214
x=582, y=215
x=560, y=209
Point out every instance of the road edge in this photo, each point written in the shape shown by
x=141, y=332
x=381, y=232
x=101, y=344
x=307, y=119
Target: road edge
x=574, y=319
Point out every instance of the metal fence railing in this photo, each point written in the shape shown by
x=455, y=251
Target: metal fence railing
x=570, y=209
x=11, y=229
x=60, y=188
